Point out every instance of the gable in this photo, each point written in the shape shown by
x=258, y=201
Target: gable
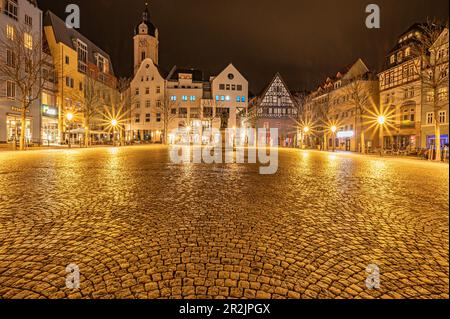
x=277, y=94
x=356, y=70
x=230, y=69
x=147, y=68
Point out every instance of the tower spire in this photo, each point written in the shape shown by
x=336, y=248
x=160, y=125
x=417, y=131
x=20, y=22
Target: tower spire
x=145, y=14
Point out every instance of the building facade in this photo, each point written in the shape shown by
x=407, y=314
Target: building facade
x=18, y=17
x=82, y=69
x=401, y=93
x=437, y=113
x=275, y=108
x=352, y=96
x=343, y=103
x=181, y=98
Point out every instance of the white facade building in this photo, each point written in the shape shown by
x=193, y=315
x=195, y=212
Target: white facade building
x=230, y=93
x=181, y=98
x=16, y=15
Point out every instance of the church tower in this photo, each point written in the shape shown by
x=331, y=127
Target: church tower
x=146, y=43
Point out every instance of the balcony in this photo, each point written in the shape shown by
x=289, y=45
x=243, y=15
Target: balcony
x=407, y=124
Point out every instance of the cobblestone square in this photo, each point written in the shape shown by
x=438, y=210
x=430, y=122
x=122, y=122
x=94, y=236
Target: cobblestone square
x=138, y=226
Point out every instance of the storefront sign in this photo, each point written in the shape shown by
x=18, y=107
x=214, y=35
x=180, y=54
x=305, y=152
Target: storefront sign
x=345, y=134
x=49, y=111
x=18, y=109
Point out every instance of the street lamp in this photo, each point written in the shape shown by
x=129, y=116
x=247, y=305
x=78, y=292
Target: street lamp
x=114, y=125
x=306, y=130
x=69, y=117
x=381, y=122
x=333, y=130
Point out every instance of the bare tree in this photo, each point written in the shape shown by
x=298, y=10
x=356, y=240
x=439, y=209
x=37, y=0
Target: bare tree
x=432, y=71
x=168, y=110
x=117, y=108
x=360, y=95
x=22, y=66
x=93, y=92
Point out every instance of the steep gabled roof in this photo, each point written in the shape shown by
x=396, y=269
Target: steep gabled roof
x=68, y=36
x=197, y=75
x=268, y=86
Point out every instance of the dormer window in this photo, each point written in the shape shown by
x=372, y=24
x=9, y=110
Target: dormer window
x=11, y=8
x=392, y=59
x=102, y=63
x=407, y=52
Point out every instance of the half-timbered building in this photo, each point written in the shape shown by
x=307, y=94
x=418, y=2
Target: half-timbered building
x=276, y=108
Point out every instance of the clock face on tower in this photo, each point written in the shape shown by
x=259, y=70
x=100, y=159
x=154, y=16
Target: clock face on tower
x=142, y=43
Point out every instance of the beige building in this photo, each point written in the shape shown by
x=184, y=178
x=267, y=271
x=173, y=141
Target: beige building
x=430, y=115
x=80, y=66
x=401, y=94
x=343, y=103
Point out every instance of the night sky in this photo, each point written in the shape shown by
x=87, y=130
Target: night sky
x=303, y=40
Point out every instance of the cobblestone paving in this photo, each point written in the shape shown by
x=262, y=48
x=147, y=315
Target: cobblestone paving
x=140, y=227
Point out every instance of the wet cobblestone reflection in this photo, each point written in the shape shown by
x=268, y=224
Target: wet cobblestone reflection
x=138, y=226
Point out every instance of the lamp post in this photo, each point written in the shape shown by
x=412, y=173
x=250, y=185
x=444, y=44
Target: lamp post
x=69, y=117
x=333, y=130
x=306, y=130
x=114, y=125
x=381, y=122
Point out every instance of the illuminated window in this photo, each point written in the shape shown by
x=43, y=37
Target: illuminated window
x=217, y=98
x=173, y=98
x=238, y=98
x=407, y=52
x=102, y=64
x=243, y=99
x=10, y=32
x=227, y=98
x=28, y=41
x=443, y=94
x=392, y=60
x=184, y=98
x=193, y=98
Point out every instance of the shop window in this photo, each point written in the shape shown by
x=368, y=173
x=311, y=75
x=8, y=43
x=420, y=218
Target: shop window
x=14, y=128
